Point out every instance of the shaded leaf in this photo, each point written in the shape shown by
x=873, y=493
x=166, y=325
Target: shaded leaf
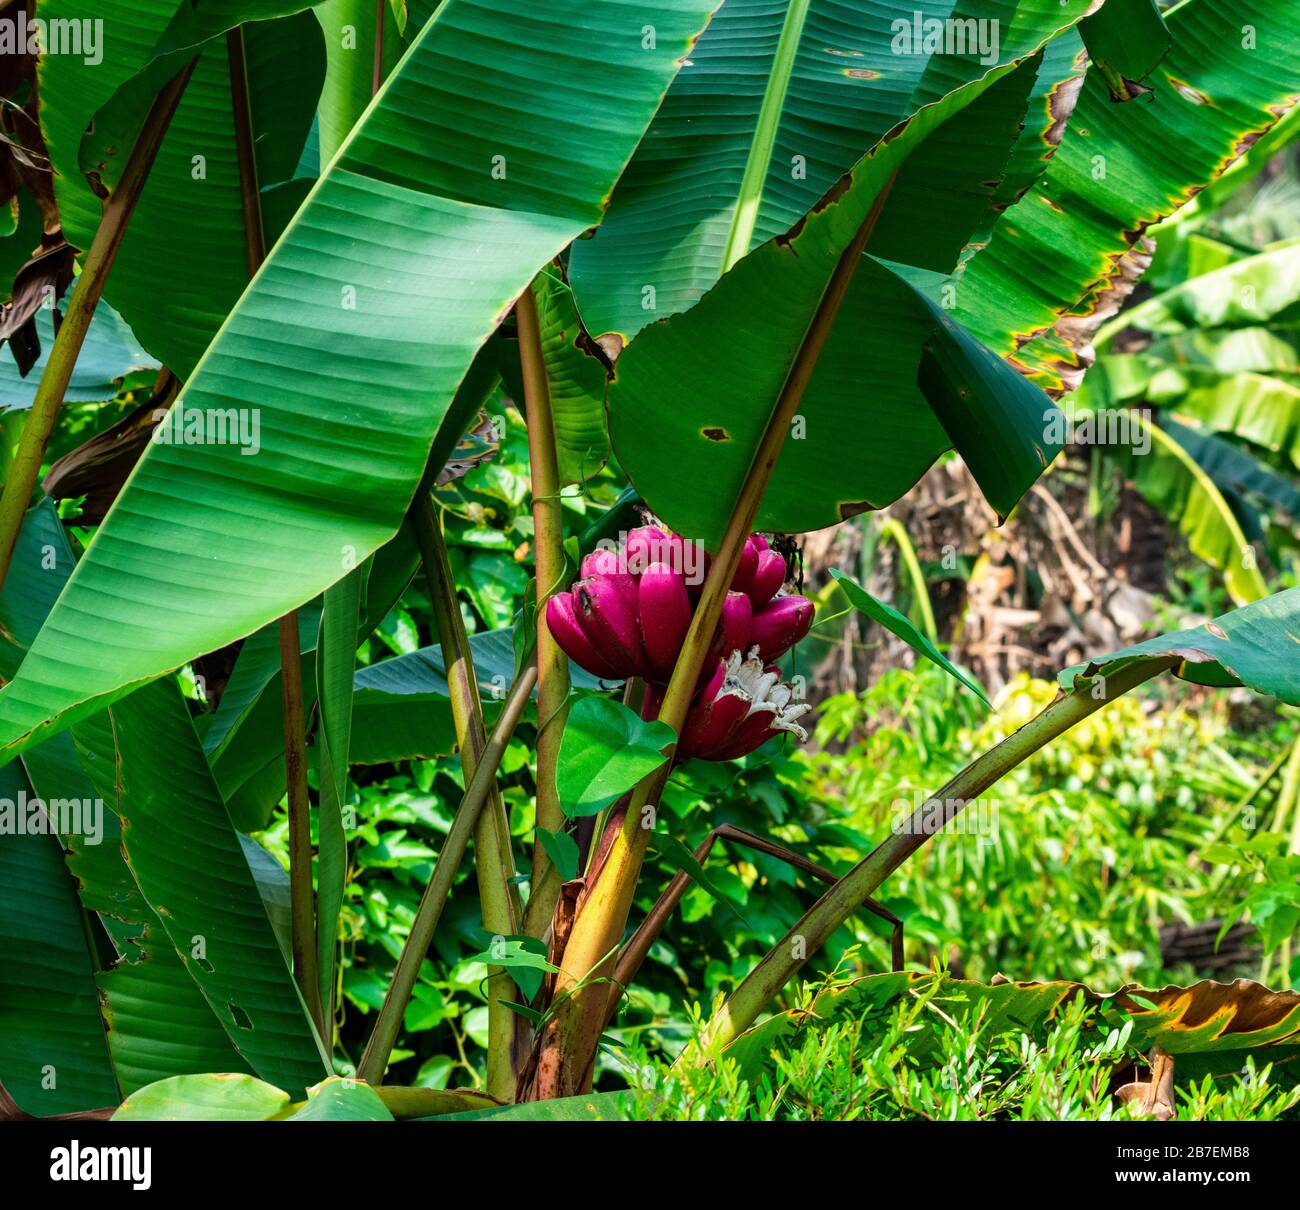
x=191, y=868
x=50, y=1024
x=109, y=354
x=186, y=239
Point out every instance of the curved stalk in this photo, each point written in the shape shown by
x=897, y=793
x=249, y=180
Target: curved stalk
x=1244, y=583
x=548, y=546
x=26, y=468
x=892, y=529
x=493, y=859
x=573, y=1032
x=813, y=929
x=375, y=1059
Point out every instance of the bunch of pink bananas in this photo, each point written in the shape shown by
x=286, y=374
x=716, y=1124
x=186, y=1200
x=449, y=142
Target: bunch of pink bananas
x=628, y=615
x=741, y=707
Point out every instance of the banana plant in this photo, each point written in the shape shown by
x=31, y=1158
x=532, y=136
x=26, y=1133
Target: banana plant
x=772, y=260
x=1216, y=356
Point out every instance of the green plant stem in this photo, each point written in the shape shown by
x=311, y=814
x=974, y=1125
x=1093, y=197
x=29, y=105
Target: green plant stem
x=890, y=528
x=573, y=1032
x=811, y=932
x=493, y=860
x=26, y=467
x=302, y=899
x=384, y=1035
x=548, y=547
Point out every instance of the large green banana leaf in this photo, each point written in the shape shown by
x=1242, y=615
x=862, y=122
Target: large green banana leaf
x=349, y=345
x=1236, y=471
x=1225, y=352
x=1126, y=39
x=1050, y=104
x=148, y=1044
x=53, y=1054
x=1195, y=229
x=1229, y=75
x=897, y=383
x=158, y=1022
x=183, y=262
x=1219, y=363
x=778, y=102
x=1250, y=646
